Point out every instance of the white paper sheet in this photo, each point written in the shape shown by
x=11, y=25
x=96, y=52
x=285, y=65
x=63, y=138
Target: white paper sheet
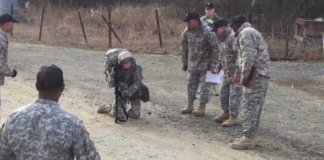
x=214, y=78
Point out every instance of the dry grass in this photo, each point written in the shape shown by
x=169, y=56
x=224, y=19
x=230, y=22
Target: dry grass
x=135, y=25
x=297, y=50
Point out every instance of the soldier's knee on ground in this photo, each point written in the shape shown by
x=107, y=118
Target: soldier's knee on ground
x=133, y=114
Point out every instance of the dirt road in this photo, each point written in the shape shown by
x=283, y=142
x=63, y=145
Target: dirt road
x=291, y=128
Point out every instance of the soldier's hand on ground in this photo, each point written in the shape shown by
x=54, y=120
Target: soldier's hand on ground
x=184, y=67
x=14, y=73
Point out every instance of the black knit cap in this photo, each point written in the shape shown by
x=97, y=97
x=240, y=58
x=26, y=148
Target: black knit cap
x=7, y=18
x=239, y=19
x=191, y=15
x=219, y=23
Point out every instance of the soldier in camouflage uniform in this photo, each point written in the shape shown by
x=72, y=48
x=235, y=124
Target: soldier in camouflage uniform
x=128, y=78
x=211, y=16
x=230, y=92
x=111, y=60
x=208, y=21
x=199, y=55
x=6, y=26
x=254, y=74
x=43, y=130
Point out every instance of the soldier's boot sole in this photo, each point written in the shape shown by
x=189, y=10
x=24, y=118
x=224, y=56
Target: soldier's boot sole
x=189, y=109
x=242, y=144
x=198, y=113
x=186, y=111
x=223, y=117
x=232, y=121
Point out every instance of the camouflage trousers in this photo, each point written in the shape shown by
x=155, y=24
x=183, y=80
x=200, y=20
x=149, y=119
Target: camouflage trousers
x=198, y=85
x=214, y=91
x=133, y=108
x=253, y=100
x=230, y=97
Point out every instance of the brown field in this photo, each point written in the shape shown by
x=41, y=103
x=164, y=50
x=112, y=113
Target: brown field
x=135, y=25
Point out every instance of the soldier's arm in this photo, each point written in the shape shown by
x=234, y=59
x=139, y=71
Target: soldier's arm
x=184, y=48
x=83, y=148
x=214, y=52
x=133, y=88
x=5, y=69
x=219, y=64
x=237, y=66
x=5, y=151
x=111, y=78
x=248, y=54
x=233, y=45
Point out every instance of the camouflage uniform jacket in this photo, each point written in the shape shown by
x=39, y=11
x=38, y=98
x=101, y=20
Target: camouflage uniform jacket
x=5, y=69
x=199, y=50
x=44, y=131
x=129, y=82
x=209, y=22
x=227, y=56
x=252, y=52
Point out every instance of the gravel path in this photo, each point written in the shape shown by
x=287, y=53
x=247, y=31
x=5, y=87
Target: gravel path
x=291, y=127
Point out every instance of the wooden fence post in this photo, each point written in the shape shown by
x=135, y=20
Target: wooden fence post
x=83, y=31
x=109, y=26
x=112, y=30
x=11, y=33
x=323, y=43
x=158, y=26
x=287, y=38
x=41, y=24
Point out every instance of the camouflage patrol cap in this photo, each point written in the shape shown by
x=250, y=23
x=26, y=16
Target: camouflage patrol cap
x=124, y=55
x=114, y=50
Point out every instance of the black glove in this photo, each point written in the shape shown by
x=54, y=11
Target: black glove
x=14, y=73
x=184, y=67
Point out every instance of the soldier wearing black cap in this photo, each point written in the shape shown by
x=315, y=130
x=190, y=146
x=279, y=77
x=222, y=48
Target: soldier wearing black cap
x=199, y=55
x=253, y=74
x=6, y=26
x=230, y=92
x=209, y=20
x=211, y=16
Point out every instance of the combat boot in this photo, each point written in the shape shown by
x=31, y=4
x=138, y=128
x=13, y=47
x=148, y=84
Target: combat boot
x=200, y=112
x=232, y=121
x=188, y=109
x=242, y=143
x=221, y=118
